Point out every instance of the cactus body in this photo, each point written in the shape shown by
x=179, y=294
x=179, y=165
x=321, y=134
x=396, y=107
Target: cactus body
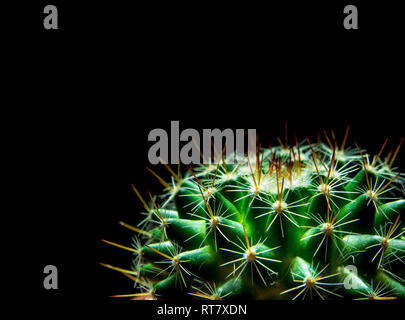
x=306, y=221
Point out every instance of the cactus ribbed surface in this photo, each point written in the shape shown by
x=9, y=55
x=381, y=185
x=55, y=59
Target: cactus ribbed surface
x=308, y=221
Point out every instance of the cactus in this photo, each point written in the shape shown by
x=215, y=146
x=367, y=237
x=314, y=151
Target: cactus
x=303, y=221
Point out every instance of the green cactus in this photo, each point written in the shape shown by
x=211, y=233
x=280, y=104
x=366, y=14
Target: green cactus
x=316, y=221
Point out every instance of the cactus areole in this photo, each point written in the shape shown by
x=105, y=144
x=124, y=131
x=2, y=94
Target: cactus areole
x=303, y=221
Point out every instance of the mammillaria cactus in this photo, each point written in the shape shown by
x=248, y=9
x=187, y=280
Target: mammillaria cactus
x=303, y=221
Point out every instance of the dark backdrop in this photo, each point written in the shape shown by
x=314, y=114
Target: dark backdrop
x=115, y=71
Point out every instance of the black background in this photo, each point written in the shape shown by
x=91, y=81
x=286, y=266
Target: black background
x=91, y=91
